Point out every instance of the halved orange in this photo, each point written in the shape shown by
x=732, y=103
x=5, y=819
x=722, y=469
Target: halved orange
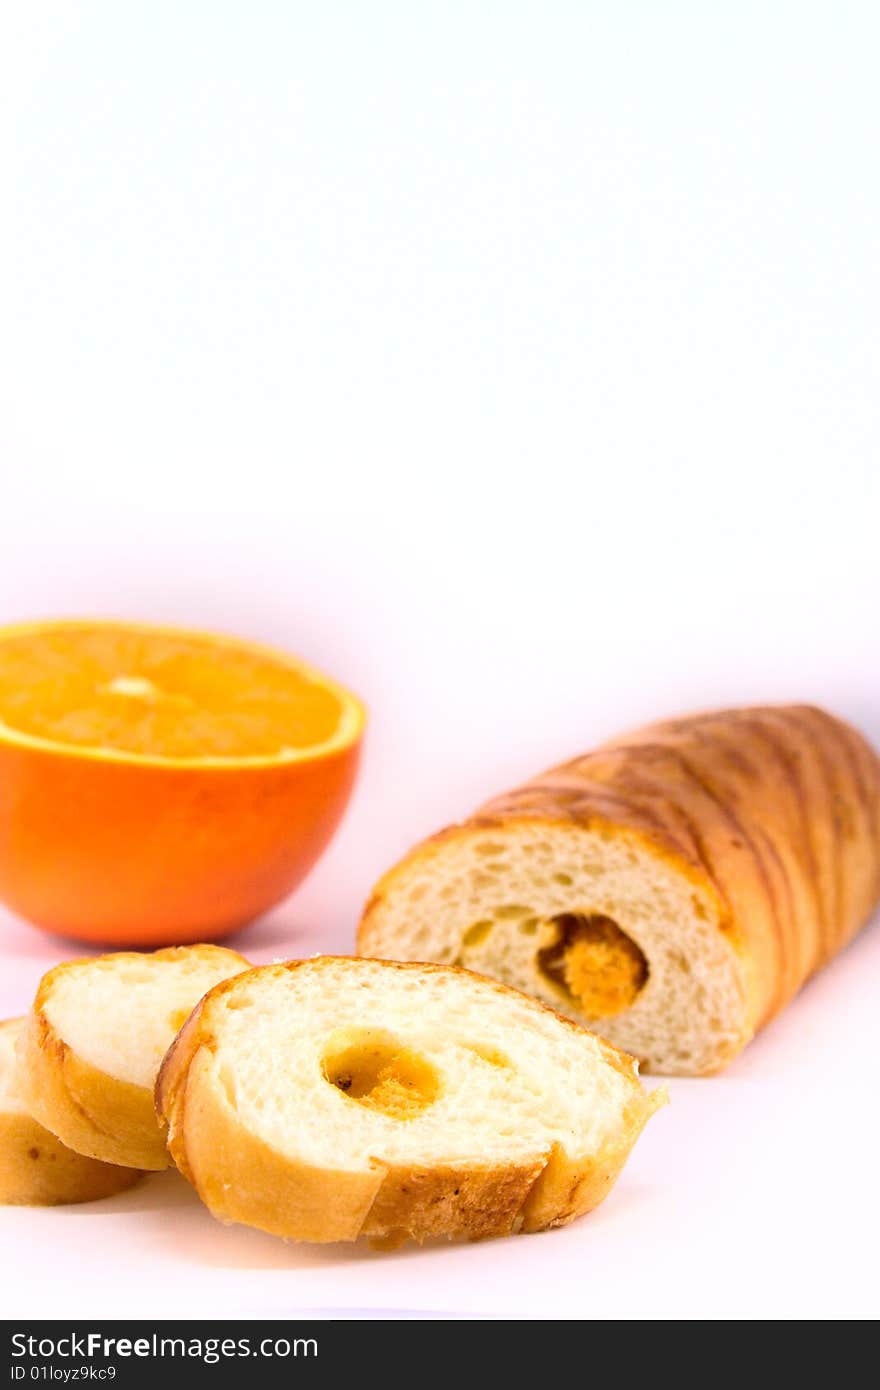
x=158, y=785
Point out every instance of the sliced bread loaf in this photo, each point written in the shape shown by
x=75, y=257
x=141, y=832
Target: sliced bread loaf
x=92, y=1044
x=673, y=889
x=332, y=1098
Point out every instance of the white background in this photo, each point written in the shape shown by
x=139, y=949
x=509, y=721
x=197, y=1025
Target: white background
x=518, y=364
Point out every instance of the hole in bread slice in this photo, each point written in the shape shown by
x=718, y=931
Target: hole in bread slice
x=372, y=1067
x=476, y=934
x=593, y=964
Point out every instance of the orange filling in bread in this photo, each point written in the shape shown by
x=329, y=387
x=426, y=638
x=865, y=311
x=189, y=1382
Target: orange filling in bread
x=372, y=1067
x=593, y=963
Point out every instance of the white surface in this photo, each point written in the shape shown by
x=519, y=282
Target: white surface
x=752, y=1195
x=517, y=364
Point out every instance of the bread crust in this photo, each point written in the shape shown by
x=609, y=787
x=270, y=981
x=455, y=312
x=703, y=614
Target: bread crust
x=772, y=813
x=242, y=1179
x=36, y=1169
x=91, y=1111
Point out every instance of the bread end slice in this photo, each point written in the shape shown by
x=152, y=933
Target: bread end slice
x=36, y=1169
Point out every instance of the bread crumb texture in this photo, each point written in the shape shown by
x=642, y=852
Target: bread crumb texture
x=600, y=927
x=120, y=1012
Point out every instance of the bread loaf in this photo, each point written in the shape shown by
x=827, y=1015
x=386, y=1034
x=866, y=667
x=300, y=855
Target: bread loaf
x=673, y=889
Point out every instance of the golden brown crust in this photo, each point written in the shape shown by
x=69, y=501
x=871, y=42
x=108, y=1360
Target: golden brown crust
x=36, y=1169
x=792, y=844
x=241, y=1178
x=237, y=1175
x=566, y=1189
x=774, y=812
x=91, y=1111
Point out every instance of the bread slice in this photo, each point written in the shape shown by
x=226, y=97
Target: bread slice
x=333, y=1098
x=672, y=890
x=36, y=1169
x=92, y=1044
